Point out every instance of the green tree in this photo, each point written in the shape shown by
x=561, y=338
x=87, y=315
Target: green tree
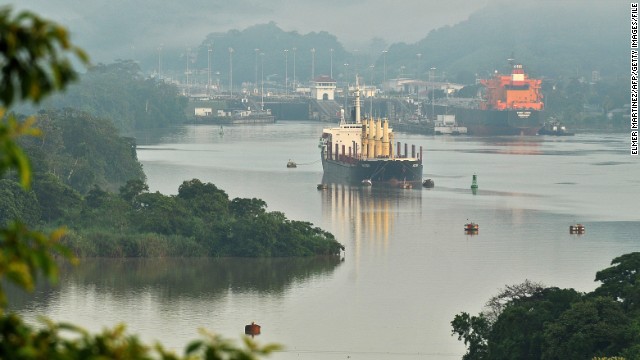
x=133, y=188
x=473, y=330
x=33, y=63
x=82, y=150
x=510, y=294
x=205, y=200
x=517, y=333
x=162, y=214
x=621, y=281
x=57, y=200
x=17, y=203
x=594, y=327
x=247, y=207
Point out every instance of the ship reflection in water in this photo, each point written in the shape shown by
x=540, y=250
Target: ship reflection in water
x=510, y=145
x=367, y=214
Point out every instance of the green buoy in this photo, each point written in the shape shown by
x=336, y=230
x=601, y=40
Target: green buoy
x=474, y=182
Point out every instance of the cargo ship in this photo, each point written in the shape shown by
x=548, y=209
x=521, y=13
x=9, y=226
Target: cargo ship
x=361, y=151
x=510, y=105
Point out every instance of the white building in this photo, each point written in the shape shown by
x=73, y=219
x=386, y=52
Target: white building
x=323, y=88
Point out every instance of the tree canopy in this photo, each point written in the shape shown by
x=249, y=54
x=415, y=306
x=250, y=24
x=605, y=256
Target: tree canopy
x=537, y=322
x=120, y=93
x=200, y=220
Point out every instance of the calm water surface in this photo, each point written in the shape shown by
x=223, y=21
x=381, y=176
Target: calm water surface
x=408, y=266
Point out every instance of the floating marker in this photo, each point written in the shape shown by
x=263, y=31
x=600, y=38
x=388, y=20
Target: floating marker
x=474, y=182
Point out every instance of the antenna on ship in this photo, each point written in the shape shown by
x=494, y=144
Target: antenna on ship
x=357, y=103
x=511, y=61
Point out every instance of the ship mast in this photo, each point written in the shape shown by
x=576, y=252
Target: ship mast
x=357, y=103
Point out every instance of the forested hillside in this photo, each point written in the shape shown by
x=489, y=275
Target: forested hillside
x=122, y=94
x=553, y=39
x=82, y=151
x=75, y=153
x=271, y=41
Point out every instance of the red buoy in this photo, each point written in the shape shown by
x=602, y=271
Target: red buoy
x=252, y=329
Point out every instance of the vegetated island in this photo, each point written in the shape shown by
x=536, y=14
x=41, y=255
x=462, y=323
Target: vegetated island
x=78, y=165
x=200, y=220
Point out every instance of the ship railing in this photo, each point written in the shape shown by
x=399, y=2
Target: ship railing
x=347, y=159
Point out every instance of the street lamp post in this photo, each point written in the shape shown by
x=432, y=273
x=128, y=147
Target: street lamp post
x=286, y=72
x=255, y=82
x=231, y=71
x=262, y=81
x=294, y=68
x=384, y=61
x=209, y=69
x=187, y=72
x=331, y=64
x=346, y=73
x=160, y=62
x=419, y=55
x=355, y=60
x=433, y=69
x=372, y=89
x=346, y=91
x=313, y=63
x=371, y=67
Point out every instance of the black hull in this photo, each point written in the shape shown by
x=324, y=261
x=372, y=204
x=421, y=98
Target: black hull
x=496, y=122
x=379, y=171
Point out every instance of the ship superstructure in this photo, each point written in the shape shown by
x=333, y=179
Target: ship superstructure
x=511, y=105
x=363, y=150
x=515, y=91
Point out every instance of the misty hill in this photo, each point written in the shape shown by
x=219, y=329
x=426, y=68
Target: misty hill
x=246, y=60
x=550, y=39
x=553, y=40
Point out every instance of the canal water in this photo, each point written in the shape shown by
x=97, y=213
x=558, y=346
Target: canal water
x=408, y=268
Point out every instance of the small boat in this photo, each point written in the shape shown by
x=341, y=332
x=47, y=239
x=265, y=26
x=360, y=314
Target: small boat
x=291, y=164
x=576, y=229
x=446, y=125
x=323, y=186
x=366, y=182
x=428, y=183
x=555, y=128
x=252, y=329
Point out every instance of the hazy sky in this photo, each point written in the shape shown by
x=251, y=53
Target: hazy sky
x=109, y=28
